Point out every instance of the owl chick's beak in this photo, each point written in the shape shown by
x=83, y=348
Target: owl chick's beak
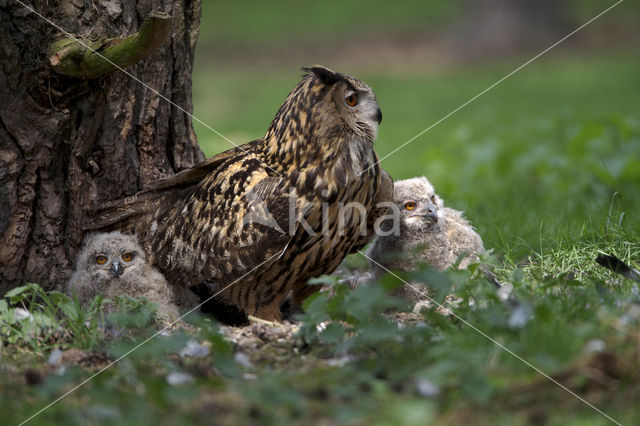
x=430, y=214
x=116, y=270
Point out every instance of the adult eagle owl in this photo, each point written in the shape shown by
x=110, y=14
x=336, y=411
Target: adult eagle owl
x=259, y=220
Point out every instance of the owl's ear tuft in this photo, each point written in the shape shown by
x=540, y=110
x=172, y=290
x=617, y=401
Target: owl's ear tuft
x=325, y=75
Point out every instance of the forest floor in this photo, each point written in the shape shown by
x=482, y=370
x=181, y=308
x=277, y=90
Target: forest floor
x=358, y=357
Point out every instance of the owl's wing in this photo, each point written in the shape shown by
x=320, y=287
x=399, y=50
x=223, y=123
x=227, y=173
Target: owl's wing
x=195, y=174
x=384, y=195
x=386, y=188
x=229, y=227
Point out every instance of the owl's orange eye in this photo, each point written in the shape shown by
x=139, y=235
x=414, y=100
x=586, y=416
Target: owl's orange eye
x=127, y=257
x=101, y=259
x=352, y=100
x=410, y=205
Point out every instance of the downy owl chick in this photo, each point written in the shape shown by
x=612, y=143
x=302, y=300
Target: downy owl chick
x=114, y=264
x=428, y=232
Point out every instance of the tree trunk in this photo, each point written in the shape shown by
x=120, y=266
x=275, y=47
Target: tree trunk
x=69, y=143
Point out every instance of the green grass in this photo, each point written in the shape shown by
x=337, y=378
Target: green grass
x=439, y=371
x=254, y=25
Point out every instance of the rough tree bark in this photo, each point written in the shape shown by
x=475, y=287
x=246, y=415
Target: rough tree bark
x=70, y=143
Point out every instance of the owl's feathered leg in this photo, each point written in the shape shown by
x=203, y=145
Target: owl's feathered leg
x=270, y=312
x=300, y=293
x=292, y=304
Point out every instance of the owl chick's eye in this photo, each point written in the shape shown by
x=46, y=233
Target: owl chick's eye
x=410, y=205
x=127, y=257
x=101, y=259
x=433, y=199
x=351, y=100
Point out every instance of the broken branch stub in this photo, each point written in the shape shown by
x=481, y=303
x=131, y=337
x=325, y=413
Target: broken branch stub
x=77, y=57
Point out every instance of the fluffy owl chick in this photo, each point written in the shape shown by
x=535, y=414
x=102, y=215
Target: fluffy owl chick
x=428, y=232
x=114, y=264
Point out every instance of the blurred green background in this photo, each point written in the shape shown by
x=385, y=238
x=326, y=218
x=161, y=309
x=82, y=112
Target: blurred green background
x=550, y=155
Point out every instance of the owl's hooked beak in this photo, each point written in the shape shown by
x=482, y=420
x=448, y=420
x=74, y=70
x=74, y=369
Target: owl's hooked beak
x=378, y=116
x=116, y=270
